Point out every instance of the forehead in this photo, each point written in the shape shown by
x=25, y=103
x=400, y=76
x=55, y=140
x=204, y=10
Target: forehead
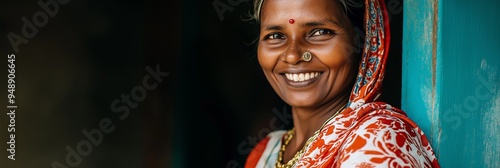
x=281, y=10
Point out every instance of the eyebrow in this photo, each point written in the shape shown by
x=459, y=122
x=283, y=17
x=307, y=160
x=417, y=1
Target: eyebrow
x=273, y=27
x=320, y=23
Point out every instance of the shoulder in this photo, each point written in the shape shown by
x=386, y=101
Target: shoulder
x=381, y=122
x=263, y=148
x=375, y=132
x=387, y=140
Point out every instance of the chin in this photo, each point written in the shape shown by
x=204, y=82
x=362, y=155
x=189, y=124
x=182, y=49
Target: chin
x=301, y=100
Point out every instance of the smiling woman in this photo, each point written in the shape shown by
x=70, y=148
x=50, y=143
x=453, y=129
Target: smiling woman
x=307, y=52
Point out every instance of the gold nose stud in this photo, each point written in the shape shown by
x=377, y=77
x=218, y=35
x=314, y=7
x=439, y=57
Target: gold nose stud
x=307, y=56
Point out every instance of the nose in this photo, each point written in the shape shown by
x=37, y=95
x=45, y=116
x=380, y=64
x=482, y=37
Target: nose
x=293, y=54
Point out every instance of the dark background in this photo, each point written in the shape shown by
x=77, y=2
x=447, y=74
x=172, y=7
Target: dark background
x=208, y=112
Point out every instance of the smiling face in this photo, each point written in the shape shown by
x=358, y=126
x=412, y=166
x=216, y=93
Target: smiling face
x=321, y=28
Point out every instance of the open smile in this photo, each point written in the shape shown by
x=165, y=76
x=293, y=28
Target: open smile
x=301, y=79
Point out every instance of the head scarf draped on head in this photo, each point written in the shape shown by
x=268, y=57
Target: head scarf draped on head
x=376, y=46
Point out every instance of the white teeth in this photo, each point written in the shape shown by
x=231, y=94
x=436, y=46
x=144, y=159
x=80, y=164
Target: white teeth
x=301, y=76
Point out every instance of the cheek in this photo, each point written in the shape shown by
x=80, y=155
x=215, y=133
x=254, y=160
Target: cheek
x=338, y=58
x=335, y=56
x=267, y=59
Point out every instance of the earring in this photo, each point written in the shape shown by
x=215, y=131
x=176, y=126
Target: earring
x=307, y=56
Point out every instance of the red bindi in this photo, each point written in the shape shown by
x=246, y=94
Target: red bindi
x=291, y=21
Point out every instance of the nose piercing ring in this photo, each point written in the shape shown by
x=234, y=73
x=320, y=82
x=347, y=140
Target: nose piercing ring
x=307, y=56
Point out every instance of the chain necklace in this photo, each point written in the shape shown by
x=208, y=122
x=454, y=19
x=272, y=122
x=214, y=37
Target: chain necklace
x=288, y=137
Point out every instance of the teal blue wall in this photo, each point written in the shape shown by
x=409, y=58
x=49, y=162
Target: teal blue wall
x=451, y=78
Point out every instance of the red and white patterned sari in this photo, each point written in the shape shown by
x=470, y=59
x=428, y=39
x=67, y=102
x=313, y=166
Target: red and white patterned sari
x=367, y=134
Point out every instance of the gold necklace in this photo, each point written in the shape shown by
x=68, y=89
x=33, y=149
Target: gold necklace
x=288, y=137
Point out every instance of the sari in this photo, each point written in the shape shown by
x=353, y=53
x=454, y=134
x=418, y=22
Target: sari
x=367, y=134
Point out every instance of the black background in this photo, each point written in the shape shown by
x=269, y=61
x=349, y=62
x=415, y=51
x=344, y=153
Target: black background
x=204, y=114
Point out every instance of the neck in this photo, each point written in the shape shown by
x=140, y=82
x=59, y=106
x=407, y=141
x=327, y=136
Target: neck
x=309, y=120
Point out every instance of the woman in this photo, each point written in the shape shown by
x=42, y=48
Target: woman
x=307, y=52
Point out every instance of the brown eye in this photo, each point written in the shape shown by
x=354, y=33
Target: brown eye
x=275, y=36
x=321, y=32
x=319, y=35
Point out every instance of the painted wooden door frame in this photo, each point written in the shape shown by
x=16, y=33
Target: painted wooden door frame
x=451, y=78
